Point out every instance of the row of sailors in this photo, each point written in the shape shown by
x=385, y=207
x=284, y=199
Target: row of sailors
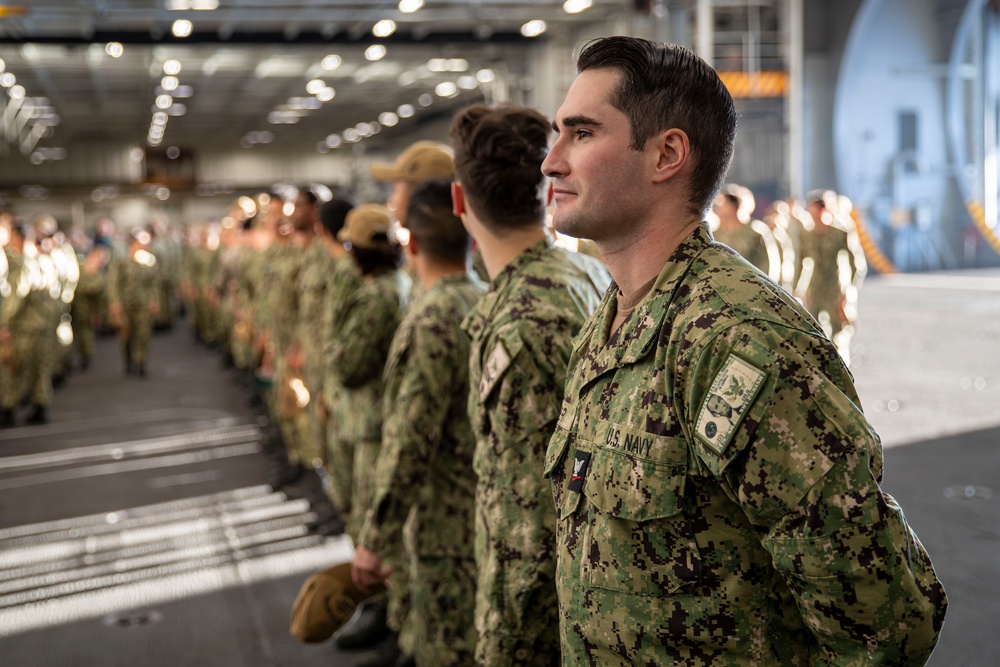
x=56, y=290
x=308, y=296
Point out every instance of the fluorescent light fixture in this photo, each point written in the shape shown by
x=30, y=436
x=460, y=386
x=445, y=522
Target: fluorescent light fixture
x=334, y=141
x=331, y=62
x=467, y=82
x=169, y=83
x=172, y=67
x=406, y=111
x=446, y=89
x=425, y=100
x=533, y=28
x=114, y=49
x=410, y=6
x=7, y=79
x=315, y=86
x=388, y=118
x=183, y=91
x=376, y=52
x=384, y=28
x=486, y=76
x=16, y=92
x=183, y=28
x=576, y=6
x=163, y=101
x=326, y=94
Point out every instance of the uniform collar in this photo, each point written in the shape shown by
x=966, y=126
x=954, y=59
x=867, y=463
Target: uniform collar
x=483, y=310
x=641, y=329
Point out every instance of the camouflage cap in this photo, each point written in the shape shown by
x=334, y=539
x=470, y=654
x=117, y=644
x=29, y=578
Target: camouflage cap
x=368, y=226
x=419, y=162
x=325, y=602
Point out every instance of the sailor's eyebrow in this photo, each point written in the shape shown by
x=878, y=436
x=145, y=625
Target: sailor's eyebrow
x=574, y=121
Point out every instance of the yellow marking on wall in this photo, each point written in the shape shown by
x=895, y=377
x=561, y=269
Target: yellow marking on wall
x=978, y=214
x=744, y=85
x=873, y=253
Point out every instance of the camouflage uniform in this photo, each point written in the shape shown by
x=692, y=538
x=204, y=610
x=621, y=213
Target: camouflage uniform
x=717, y=488
x=312, y=281
x=521, y=332
x=426, y=464
x=828, y=246
x=133, y=281
x=87, y=306
x=755, y=243
x=344, y=282
x=357, y=359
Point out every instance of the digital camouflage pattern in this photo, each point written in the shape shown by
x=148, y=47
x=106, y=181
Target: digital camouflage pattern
x=344, y=282
x=357, y=359
x=717, y=488
x=133, y=281
x=829, y=247
x=521, y=333
x=423, y=478
x=752, y=243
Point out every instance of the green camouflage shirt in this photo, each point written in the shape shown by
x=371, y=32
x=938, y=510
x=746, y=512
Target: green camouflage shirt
x=427, y=441
x=344, y=281
x=717, y=488
x=521, y=333
x=313, y=278
x=133, y=281
x=360, y=350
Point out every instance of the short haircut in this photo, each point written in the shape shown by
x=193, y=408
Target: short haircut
x=498, y=160
x=309, y=195
x=439, y=233
x=665, y=86
x=333, y=213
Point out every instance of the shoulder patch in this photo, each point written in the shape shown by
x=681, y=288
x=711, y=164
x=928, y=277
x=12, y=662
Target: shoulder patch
x=732, y=391
x=496, y=364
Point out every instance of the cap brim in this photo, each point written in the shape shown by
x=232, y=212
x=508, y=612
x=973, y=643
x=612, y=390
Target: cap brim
x=384, y=172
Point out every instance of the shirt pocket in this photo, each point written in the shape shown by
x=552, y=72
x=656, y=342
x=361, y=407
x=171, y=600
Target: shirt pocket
x=566, y=501
x=638, y=540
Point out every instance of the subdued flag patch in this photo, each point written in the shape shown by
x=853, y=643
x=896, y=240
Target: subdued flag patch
x=732, y=391
x=496, y=364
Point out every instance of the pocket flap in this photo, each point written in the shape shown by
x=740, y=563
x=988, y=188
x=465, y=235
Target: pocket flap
x=633, y=488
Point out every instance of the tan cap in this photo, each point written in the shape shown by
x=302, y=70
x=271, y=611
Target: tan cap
x=325, y=603
x=419, y=162
x=364, y=223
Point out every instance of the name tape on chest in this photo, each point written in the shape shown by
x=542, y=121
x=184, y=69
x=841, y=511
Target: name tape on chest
x=732, y=391
x=493, y=369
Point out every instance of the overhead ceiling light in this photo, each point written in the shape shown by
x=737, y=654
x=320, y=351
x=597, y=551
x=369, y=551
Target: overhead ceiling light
x=384, y=28
x=446, y=89
x=173, y=152
x=160, y=117
x=3, y=65
x=183, y=91
x=458, y=64
x=533, y=28
x=425, y=100
x=315, y=86
x=163, y=101
x=437, y=65
x=136, y=154
x=410, y=6
x=331, y=62
x=183, y=28
x=486, y=75
x=406, y=111
x=176, y=110
x=375, y=52
x=467, y=82
x=169, y=83
x=334, y=141
x=16, y=92
x=351, y=135
x=197, y=5
x=7, y=79
x=326, y=94
x=576, y=6
x=114, y=49
x=388, y=118
x=172, y=67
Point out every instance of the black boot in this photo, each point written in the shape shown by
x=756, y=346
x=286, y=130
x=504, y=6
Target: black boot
x=40, y=415
x=365, y=629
